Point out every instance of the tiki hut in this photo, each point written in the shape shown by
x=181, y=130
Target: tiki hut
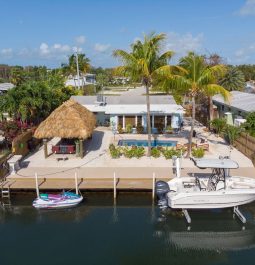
x=69, y=121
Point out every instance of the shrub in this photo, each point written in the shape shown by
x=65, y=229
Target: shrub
x=231, y=133
x=120, y=130
x=139, y=152
x=129, y=128
x=218, y=125
x=249, y=125
x=112, y=147
x=115, y=152
x=169, y=153
x=155, y=152
x=198, y=152
x=160, y=128
x=139, y=128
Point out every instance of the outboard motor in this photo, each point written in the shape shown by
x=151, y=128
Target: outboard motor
x=162, y=189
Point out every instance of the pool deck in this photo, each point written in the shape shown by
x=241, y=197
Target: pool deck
x=96, y=170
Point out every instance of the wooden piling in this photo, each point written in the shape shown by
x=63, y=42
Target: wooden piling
x=76, y=183
x=153, y=185
x=37, y=185
x=114, y=186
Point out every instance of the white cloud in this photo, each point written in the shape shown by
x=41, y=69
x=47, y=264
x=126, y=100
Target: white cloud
x=244, y=54
x=101, y=47
x=248, y=9
x=61, y=48
x=7, y=52
x=181, y=44
x=44, y=49
x=76, y=49
x=80, y=39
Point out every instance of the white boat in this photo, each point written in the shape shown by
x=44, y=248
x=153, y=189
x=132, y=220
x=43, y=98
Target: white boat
x=53, y=201
x=219, y=190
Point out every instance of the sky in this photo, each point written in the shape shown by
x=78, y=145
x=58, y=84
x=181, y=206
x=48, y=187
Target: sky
x=46, y=32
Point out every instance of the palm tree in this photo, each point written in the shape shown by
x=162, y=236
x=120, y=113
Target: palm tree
x=233, y=80
x=144, y=63
x=83, y=62
x=197, y=79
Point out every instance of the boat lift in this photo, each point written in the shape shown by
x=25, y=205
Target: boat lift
x=221, y=168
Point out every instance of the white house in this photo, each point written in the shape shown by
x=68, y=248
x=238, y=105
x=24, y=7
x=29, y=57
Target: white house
x=87, y=79
x=130, y=108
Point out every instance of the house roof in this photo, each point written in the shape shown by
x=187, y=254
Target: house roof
x=239, y=100
x=6, y=86
x=125, y=100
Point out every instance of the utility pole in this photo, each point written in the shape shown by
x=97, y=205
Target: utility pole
x=77, y=68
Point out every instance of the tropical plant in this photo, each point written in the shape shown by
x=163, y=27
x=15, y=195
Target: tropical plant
x=139, y=128
x=120, y=130
x=232, y=133
x=169, y=153
x=196, y=78
x=198, y=152
x=115, y=152
x=233, y=80
x=145, y=62
x=155, y=152
x=129, y=128
x=71, y=67
x=249, y=125
x=219, y=125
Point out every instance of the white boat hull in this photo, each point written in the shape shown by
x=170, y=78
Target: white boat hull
x=237, y=191
x=53, y=204
x=210, y=200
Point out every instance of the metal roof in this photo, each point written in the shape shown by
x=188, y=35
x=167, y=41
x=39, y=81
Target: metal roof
x=6, y=86
x=239, y=100
x=125, y=100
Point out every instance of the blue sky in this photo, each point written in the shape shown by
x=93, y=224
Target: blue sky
x=45, y=32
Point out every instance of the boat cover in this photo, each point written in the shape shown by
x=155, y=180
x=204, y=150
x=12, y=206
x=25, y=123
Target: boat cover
x=216, y=163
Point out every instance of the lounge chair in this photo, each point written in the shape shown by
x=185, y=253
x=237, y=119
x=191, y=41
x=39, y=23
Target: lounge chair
x=204, y=146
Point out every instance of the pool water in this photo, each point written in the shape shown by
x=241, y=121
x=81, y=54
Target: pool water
x=133, y=231
x=154, y=143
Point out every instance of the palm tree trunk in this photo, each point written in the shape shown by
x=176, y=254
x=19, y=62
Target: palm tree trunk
x=148, y=120
x=192, y=126
x=210, y=103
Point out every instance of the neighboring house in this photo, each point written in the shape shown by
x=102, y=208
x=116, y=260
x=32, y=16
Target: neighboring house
x=250, y=86
x=4, y=87
x=239, y=106
x=130, y=108
x=120, y=80
x=87, y=79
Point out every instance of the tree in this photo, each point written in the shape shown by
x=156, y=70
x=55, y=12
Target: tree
x=197, y=78
x=144, y=63
x=71, y=68
x=233, y=79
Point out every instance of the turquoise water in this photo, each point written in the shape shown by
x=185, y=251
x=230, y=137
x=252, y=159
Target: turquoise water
x=133, y=232
x=145, y=143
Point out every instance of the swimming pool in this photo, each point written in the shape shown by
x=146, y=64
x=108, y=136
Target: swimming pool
x=145, y=143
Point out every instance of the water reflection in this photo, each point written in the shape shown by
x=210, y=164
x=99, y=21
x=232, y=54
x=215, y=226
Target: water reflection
x=132, y=231
x=217, y=232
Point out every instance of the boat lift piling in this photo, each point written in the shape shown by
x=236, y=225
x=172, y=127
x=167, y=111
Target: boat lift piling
x=76, y=183
x=153, y=186
x=114, y=187
x=37, y=185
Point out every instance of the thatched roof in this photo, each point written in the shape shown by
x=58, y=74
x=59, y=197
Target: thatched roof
x=70, y=120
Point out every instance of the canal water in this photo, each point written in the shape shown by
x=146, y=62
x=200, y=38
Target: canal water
x=132, y=232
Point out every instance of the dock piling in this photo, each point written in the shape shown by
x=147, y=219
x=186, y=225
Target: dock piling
x=153, y=185
x=76, y=183
x=36, y=185
x=114, y=186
